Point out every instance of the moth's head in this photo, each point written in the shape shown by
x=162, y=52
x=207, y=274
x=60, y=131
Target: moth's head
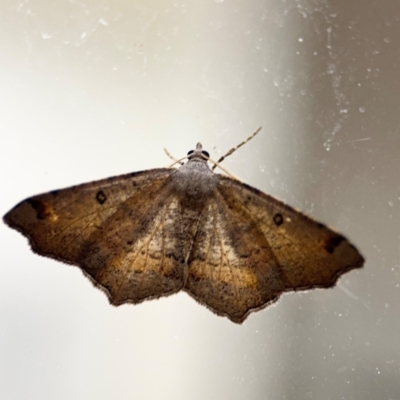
x=198, y=153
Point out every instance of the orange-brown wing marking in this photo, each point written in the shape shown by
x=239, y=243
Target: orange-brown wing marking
x=250, y=248
x=309, y=254
x=120, y=231
x=232, y=269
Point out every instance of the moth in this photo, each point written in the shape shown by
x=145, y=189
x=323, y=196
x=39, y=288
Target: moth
x=149, y=234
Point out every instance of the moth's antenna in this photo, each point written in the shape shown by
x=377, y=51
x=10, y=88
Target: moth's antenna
x=208, y=159
x=177, y=161
x=217, y=164
x=234, y=149
x=172, y=157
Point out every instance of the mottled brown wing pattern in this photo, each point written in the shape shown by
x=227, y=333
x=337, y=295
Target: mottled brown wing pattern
x=309, y=253
x=149, y=234
x=121, y=231
x=251, y=247
x=232, y=268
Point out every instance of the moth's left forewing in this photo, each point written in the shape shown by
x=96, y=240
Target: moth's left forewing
x=56, y=223
x=120, y=231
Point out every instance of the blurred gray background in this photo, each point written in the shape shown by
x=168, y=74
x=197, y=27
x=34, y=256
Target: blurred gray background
x=96, y=88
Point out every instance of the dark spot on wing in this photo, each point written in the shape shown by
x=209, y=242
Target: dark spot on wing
x=43, y=210
x=101, y=197
x=321, y=226
x=333, y=242
x=278, y=219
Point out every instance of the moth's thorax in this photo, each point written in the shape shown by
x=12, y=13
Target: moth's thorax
x=195, y=181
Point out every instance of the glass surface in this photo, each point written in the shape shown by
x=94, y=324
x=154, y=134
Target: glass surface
x=98, y=88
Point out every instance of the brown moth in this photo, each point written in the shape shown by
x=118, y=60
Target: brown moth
x=153, y=233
